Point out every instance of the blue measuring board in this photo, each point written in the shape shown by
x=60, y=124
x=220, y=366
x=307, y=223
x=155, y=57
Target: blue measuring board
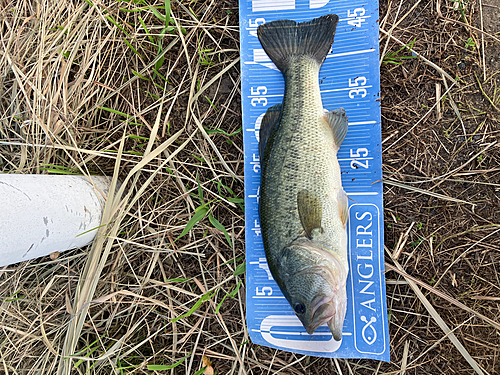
x=349, y=78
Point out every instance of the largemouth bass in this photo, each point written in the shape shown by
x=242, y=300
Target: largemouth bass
x=303, y=207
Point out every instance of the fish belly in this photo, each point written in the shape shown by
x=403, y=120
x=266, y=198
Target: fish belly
x=302, y=155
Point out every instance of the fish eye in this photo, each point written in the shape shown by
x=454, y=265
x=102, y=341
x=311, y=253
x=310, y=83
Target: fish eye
x=299, y=308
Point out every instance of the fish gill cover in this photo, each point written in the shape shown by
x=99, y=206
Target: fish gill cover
x=349, y=78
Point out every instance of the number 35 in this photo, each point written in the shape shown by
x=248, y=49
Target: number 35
x=355, y=92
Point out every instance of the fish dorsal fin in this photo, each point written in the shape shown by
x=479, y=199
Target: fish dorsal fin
x=268, y=125
x=343, y=200
x=310, y=212
x=337, y=120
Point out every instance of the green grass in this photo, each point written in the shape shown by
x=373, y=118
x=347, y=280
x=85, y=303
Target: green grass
x=397, y=58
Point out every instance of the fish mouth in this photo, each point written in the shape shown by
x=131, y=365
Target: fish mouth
x=330, y=308
x=331, y=311
x=322, y=312
x=336, y=323
x=331, y=305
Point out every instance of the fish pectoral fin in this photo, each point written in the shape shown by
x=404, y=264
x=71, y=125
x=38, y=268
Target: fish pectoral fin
x=268, y=126
x=337, y=120
x=310, y=212
x=343, y=200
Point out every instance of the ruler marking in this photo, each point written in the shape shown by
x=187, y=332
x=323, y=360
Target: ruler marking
x=352, y=58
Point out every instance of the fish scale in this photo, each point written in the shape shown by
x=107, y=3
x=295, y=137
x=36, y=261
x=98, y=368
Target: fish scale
x=303, y=206
x=302, y=157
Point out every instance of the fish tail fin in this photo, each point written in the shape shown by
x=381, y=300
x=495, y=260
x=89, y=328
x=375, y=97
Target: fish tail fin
x=284, y=39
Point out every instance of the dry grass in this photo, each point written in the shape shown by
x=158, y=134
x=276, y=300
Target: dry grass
x=119, y=88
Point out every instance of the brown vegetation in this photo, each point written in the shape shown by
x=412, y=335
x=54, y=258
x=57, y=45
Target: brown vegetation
x=119, y=88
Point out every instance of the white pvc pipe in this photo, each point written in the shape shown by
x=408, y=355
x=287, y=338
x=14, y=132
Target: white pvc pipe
x=42, y=214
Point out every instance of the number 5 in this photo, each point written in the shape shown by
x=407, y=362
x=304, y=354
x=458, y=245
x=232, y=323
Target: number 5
x=358, y=152
x=265, y=289
x=355, y=13
x=357, y=82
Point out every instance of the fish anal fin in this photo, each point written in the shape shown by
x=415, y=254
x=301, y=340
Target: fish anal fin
x=268, y=125
x=310, y=212
x=337, y=120
x=343, y=201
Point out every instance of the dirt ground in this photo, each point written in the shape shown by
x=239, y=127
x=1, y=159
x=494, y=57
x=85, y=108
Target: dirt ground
x=450, y=246
x=491, y=22
x=164, y=284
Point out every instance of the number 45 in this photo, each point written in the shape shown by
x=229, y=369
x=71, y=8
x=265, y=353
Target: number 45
x=358, y=20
